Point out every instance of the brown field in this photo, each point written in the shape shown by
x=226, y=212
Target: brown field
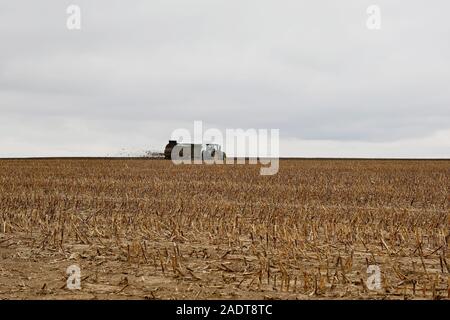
x=147, y=229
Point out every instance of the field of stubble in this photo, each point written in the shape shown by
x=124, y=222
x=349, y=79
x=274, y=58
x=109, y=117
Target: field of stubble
x=152, y=230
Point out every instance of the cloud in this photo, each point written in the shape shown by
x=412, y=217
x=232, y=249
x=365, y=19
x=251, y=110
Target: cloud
x=435, y=146
x=138, y=70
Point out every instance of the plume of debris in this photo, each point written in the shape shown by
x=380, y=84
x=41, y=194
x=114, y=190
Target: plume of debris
x=137, y=153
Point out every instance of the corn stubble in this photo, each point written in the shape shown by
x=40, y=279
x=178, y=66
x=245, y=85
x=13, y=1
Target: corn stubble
x=150, y=229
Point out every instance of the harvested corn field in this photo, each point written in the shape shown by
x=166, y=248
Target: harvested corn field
x=147, y=229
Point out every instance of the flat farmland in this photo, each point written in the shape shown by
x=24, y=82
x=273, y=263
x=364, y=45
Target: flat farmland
x=148, y=229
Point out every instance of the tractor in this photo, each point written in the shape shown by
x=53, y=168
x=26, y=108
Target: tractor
x=208, y=152
x=213, y=151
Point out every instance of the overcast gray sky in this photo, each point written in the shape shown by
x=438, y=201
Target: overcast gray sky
x=139, y=69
